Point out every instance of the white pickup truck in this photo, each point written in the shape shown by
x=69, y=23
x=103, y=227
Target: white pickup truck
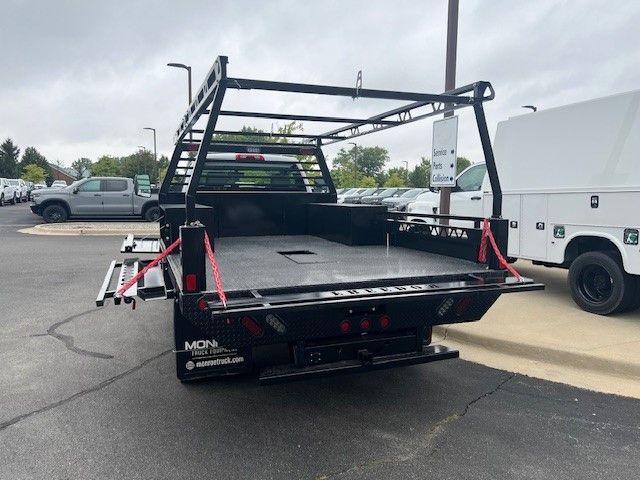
x=571, y=190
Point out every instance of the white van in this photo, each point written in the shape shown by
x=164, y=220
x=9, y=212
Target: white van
x=571, y=189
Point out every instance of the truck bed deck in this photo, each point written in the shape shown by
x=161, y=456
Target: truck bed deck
x=254, y=263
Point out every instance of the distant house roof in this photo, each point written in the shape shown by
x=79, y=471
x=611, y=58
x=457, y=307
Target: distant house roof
x=66, y=173
x=62, y=173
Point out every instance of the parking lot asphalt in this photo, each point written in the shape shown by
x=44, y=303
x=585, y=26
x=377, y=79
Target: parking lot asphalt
x=91, y=393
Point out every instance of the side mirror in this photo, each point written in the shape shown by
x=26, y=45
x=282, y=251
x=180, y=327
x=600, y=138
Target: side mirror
x=76, y=190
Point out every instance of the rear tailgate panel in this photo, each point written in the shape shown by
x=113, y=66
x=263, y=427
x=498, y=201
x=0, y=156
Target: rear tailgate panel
x=264, y=320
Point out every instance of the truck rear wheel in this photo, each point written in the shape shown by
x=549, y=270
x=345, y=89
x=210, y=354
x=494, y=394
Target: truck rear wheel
x=600, y=285
x=54, y=214
x=153, y=214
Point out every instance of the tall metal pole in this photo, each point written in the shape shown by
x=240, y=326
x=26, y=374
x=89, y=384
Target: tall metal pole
x=155, y=152
x=155, y=147
x=450, y=84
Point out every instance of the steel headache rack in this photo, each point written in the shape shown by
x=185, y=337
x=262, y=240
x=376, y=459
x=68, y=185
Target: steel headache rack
x=208, y=103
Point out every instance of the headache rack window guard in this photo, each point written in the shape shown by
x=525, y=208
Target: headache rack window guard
x=209, y=99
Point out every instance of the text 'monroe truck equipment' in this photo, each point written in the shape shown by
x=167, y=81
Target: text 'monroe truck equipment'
x=268, y=272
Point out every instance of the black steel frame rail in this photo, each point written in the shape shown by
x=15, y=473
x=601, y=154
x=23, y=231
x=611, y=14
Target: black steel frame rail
x=209, y=97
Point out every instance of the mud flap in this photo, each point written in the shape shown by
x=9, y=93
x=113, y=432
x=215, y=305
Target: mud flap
x=198, y=357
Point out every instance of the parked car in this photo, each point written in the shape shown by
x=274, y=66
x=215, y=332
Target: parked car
x=58, y=184
x=38, y=186
x=8, y=192
x=465, y=199
x=348, y=193
x=96, y=197
x=386, y=193
x=357, y=196
x=400, y=203
x=22, y=192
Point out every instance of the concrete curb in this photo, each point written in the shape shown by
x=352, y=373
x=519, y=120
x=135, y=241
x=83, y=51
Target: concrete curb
x=85, y=228
x=573, y=359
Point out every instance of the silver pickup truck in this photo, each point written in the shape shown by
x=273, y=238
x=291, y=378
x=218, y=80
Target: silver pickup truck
x=96, y=197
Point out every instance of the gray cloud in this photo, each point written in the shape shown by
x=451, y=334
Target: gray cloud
x=83, y=78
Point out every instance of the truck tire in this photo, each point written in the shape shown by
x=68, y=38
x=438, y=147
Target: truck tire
x=600, y=285
x=153, y=214
x=54, y=214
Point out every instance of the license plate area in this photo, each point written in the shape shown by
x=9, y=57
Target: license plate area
x=363, y=348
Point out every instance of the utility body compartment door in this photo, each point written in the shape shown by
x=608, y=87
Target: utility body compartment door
x=511, y=211
x=534, y=226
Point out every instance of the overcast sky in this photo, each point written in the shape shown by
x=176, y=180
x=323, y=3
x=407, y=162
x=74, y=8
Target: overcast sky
x=83, y=78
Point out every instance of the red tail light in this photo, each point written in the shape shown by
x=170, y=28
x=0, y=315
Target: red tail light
x=202, y=305
x=190, y=282
x=384, y=322
x=345, y=326
x=365, y=324
x=251, y=325
x=249, y=156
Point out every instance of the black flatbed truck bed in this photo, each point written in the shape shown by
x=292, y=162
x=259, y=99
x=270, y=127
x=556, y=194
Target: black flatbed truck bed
x=311, y=287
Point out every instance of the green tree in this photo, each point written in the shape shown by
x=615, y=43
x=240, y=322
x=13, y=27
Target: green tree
x=245, y=137
x=241, y=137
x=106, y=166
x=34, y=173
x=82, y=166
x=396, y=177
x=31, y=156
x=9, y=153
x=368, y=182
x=419, y=176
x=363, y=161
x=141, y=162
x=395, y=180
x=163, y=165
x=461, y=164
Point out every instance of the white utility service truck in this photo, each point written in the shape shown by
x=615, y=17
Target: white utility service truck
x=571, y=191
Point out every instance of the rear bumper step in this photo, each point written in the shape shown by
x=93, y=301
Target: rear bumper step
x=132, y=244
x=432, y=353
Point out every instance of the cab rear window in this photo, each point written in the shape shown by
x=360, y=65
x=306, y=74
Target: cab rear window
x=223, y=175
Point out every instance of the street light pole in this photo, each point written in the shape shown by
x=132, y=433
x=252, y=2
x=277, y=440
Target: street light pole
x=155, y=152
x=188, y=69
x=450, y=84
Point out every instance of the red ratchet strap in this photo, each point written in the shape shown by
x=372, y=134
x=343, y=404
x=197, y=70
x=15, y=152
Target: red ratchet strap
x=487, y=234
x=217, y=278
